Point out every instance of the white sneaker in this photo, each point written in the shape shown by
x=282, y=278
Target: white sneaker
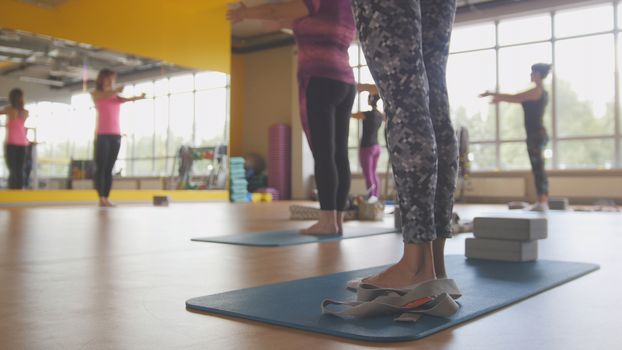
x=540, y=207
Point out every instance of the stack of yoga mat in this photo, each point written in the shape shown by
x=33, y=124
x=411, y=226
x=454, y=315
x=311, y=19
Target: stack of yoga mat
x=506, y=238
x=239, y=185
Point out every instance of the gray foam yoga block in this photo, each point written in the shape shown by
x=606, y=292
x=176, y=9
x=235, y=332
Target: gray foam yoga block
x=510, y=228
x=518, y=205
x=558, y=203
x=502, y=250
x=161, y=201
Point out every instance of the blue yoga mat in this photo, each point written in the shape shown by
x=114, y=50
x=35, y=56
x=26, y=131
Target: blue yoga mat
x=292, y=237
x=486, y=286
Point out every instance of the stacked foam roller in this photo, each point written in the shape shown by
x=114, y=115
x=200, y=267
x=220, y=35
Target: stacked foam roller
x=506, y=238
x=279, y=159
x=237, y=178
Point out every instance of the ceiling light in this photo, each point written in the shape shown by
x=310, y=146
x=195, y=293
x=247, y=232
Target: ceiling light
x=42, y=81
x=15, y=50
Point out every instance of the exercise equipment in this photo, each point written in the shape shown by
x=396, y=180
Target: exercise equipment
x=161, y=201
x=504, y=238
x=280, y=159
x=501, y=250
x=510, y=228
x=293, y=237
x=486, y=286
x=238, y=185
x=559, y=203
x=185, y=161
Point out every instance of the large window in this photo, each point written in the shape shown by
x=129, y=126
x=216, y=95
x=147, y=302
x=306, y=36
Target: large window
x=581, y=118
x=190, y=109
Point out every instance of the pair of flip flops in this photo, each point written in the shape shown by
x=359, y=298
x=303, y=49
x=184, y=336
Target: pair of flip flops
x=434, y=298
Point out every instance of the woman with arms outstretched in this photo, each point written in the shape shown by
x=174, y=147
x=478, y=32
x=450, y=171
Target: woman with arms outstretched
x=324, y=30
x=534, y=103
x=16, y=143
x=108, y=133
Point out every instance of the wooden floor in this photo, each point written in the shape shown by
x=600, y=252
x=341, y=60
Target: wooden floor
x=90, y=278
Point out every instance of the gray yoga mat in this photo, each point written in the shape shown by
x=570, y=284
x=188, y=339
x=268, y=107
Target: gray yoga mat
x=486, y=286
x=292, y=237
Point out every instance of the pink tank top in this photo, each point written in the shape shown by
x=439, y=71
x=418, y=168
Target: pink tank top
x=16, y=131
x=108, y=110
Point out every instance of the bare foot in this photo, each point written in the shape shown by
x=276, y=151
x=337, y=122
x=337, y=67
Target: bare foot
x=106, y=203
x=416, y=266
x=340, y=219
x=326, y=225
x=103, y=202
x=398, y=276
x=319, y=228
x=438, y=247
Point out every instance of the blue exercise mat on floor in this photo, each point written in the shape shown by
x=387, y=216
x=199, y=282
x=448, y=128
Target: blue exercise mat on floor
x=292, y=237
x=486, y=286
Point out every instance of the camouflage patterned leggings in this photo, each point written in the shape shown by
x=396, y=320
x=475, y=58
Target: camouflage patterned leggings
x=406, y=44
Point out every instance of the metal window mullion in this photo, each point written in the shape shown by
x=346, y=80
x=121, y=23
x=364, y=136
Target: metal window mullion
x=616, y=112
x=554, y=140
x=482, y=142
x=579, y=138
x=168, y=128
x=497, y=107
x=227, y=131
x=582, y=36
x=153, y=134
x=194, y=111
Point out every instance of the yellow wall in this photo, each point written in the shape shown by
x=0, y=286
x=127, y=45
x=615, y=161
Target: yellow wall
x=65, y=196
x=269, y=93
x=236, y=132
x=6, y=64
x=189, y=33
x=264, y=91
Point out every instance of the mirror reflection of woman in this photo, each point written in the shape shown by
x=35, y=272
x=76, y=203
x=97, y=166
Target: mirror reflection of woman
x=108, y=131
x=534, y=103
x=369, y=149
x=16, y=143
x=323, y=30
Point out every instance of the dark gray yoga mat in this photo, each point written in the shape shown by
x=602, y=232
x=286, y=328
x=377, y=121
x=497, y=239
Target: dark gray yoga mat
x=486, y=286
x=292, y=237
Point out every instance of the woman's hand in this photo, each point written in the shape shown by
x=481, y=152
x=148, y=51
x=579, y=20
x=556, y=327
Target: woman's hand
x=237, y=13
x=485, y=94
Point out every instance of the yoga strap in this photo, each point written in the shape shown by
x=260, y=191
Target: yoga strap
x=374, y=301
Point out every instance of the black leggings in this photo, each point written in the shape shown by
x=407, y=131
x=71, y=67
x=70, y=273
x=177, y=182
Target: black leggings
x=106, y=152
x=535, y=148
x=15, y=157
x=406, y=43
x=329, y=108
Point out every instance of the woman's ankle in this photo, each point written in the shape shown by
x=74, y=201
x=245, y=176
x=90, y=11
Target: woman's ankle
x=419, y=259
